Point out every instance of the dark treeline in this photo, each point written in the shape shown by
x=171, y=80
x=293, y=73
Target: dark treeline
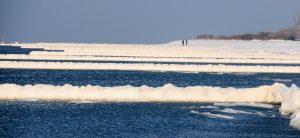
x=290, y=33
x=285, y=34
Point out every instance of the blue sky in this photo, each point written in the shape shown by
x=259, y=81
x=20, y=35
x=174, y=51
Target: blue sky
x=138, y=21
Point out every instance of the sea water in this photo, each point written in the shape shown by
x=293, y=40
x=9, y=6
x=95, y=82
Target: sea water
x=140, y=119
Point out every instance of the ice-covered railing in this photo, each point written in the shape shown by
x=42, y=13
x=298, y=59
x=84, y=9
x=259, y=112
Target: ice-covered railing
x=150, y=67
x=289, y=97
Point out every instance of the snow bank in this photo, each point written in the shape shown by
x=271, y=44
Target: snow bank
x=167, y=93
x=150, y=67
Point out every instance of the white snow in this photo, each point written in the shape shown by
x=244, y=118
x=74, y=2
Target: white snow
x=174, y=49
x=167, y=93
x=214, y=51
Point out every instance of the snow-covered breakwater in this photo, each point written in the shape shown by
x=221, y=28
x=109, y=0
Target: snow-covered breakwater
x=151, y=67
x=151, y=59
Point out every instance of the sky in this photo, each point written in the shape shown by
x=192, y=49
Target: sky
x=138, y=21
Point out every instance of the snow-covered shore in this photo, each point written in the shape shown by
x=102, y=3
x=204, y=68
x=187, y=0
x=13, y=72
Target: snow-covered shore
x=197, y=51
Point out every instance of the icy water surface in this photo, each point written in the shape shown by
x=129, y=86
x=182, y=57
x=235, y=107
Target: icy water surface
x=139, y=78
x=88, y=119
x=59, y=119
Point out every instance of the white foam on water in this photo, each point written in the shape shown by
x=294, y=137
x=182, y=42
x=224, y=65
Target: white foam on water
x=150, y=67
x=211, y=115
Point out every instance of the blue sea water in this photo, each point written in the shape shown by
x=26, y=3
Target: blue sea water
x=113, y=119
x=139, y=78
x=19, y=50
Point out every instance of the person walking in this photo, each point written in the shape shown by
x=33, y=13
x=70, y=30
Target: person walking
x=186, y=42
x=182, y=42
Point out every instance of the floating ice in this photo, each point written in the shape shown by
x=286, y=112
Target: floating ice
x=211, y=115
x=234, y=111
